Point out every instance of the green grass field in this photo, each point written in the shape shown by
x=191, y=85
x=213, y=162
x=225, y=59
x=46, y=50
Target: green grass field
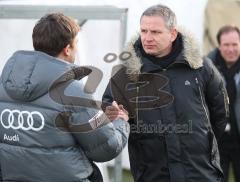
x=231, y=177
x=127, y=176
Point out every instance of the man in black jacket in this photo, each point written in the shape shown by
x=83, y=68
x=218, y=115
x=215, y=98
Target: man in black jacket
x=227, y=59
x=176, y=100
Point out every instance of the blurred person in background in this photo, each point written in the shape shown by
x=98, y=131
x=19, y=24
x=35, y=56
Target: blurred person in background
x=226, y=58
x=49, y=131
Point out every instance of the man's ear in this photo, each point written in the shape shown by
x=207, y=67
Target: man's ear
x=66, y=50
x=174, y=34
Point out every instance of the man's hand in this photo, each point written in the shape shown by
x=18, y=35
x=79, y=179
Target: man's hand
x=116, y=111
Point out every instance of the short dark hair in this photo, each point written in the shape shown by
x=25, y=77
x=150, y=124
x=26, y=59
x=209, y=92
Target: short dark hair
x=226, y=29
x=163, y=11
x=53, y=32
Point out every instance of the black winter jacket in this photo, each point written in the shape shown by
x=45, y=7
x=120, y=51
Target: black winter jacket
x=176, y=114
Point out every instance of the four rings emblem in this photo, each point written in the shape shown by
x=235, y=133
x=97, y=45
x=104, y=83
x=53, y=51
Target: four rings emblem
x=24, y=120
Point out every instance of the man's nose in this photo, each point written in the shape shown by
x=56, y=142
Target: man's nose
x=149, y=36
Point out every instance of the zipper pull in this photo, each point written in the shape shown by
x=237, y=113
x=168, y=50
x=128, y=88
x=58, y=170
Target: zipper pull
x=196, y=80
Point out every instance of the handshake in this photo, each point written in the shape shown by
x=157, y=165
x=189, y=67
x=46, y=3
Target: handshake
x=116, y=111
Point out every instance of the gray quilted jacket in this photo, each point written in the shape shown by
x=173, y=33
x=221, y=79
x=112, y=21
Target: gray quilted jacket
x=49, y=127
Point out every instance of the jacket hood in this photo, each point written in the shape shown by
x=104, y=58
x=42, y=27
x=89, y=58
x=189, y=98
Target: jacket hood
x=28, y=75
x=191, y=54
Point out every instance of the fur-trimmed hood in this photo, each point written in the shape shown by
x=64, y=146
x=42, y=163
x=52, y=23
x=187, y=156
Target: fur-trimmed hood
x=191, y=54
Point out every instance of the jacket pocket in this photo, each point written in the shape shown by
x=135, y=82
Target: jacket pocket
x=214, y=154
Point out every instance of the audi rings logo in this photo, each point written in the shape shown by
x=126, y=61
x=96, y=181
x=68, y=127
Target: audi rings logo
x=20, y=122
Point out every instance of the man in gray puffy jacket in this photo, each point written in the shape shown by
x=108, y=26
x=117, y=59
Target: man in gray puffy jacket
x=50, y=129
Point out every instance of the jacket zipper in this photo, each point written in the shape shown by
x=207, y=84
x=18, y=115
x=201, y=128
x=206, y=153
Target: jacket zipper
x=137, y=117
x=226, y=102
x=201, y=96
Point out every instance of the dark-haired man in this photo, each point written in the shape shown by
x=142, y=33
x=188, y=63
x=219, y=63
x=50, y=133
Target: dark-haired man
x=226, y=57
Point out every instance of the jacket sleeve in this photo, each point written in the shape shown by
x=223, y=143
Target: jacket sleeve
x=107, y=97
x=216, y=98
x=101, y=143
x=117, y=91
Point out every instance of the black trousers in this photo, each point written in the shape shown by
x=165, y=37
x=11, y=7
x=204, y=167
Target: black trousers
x=96, y=175
x=229, y=148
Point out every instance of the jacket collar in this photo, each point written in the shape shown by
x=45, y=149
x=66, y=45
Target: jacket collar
x=191, y=54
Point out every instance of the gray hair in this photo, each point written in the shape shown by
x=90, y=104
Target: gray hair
x=163, y=11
